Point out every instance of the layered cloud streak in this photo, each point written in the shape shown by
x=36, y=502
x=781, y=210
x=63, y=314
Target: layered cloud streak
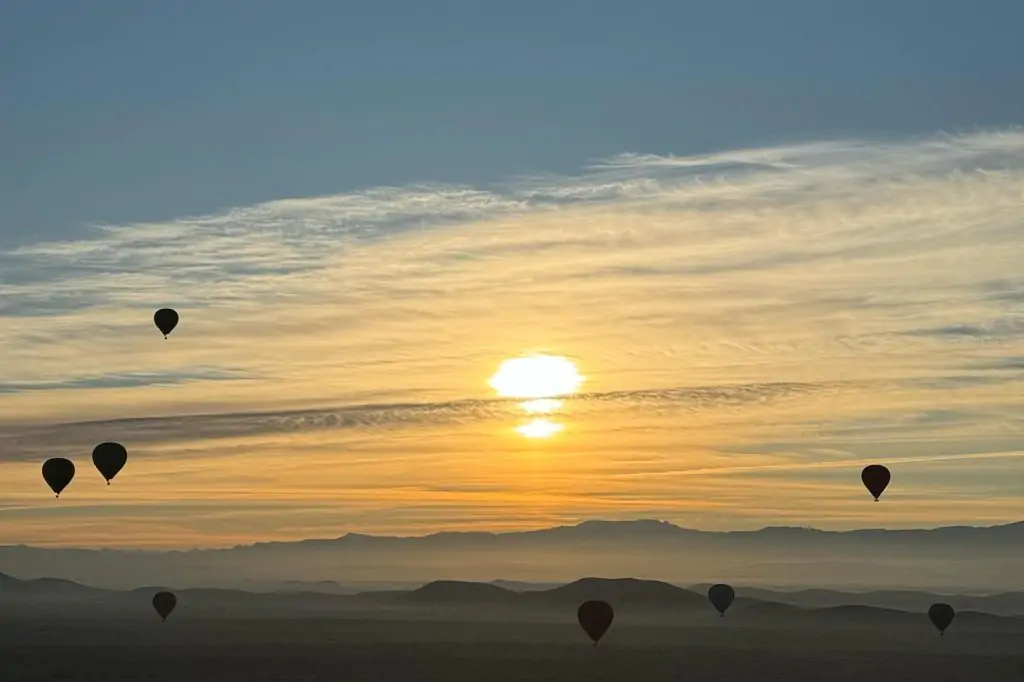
x=878, y=278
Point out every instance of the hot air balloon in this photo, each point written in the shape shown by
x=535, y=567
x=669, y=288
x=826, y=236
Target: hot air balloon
x=109, y=458
x=941, y=616
x=595, y=617
x=164, y=603
x=875, y=478
x=58, y=472
x=166, y=320
x=721, y=597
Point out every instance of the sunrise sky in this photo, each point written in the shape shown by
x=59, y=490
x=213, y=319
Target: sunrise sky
x=769, y=267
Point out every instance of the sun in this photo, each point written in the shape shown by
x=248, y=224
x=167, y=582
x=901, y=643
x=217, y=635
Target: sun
x=533, y=377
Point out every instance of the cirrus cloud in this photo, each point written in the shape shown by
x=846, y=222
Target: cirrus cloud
x=879, y=278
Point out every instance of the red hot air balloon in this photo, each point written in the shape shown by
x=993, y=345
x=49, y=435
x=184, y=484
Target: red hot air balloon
x=595, y=617
x=164, y=603
x=875, y=478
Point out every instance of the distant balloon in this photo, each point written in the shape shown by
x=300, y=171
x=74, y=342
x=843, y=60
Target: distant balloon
x=164, y=603
x=721, y=597
x=57, y=473
x=109, y=458
x=595, y=617
x=941, y=616
x=876, y=479
x=166, y=320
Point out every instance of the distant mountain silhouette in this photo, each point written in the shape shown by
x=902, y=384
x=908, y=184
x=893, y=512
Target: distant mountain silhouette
x=627, y=595
x=963, y=558
x=11, y=587
x=620, y=592
x=1004, y=603
x=523, y=586
x=329, y=586
x=458, y=592
x=645, y=529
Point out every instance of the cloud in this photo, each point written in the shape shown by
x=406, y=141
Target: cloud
x=996, y=329
x=122, y=380
x=795, y=306
x=31, y=443
x=1012, y=363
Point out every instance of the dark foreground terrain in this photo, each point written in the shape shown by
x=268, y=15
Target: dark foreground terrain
x=207, y=649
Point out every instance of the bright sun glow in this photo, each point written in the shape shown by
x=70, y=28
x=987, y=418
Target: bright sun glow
x=539, y=428
x=536, y=376
x=540, y=406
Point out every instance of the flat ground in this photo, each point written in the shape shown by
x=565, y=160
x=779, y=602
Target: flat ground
x=355, y=650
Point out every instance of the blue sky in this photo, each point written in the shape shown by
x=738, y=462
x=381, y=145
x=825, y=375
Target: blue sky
x=778, y=245
x=117, y=111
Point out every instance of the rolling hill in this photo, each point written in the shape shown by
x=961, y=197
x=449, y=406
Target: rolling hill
x=637, y=600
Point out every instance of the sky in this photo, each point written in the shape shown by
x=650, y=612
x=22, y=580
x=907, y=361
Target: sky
x=779, y=243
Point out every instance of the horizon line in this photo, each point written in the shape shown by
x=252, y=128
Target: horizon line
x=496, y=534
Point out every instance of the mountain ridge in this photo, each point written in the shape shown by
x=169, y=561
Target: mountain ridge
x=982, y=558
x=649, y=526
x=591, y=527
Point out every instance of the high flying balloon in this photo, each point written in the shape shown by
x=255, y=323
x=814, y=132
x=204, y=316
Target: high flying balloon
x=875, y=478
x=58, y=472
x=721, y=597
x=109, y=458
x=941, y=616
x=164, y=603
x=595, y=617
x=166, y=320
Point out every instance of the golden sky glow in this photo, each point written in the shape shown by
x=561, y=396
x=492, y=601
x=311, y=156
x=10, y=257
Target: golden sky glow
x=539, y=428
x=540, y=405
x=748, y=344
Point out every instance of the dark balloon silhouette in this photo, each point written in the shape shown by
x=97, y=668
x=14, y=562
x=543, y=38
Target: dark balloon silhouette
x=876, y=479
x=164, y=603
x=721, y=597
x=166, y=320
x=595, y=617
x=109, y=458
x=57, y=473
x=941, y=616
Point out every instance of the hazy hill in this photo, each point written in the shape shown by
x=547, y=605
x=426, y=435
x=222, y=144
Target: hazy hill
x=457, y=592
x=620, y=591
x=637, y=600
x=1005, y=603
x=623, y=592
x=10, y=586
x=962, y=559
x=523, y=586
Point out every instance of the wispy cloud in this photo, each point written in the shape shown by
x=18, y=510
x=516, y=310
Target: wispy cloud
x=819, y=303
x=129, y=380
x=997, y=329
x=32, y=442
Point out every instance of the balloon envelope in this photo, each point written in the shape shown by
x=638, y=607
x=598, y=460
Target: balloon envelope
x=164, y=603
x=875, y=478
x=721, y=597
x=109, y=458
x=58, y=472
x=166, y=320
x=595, y=617
x=941, y=616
